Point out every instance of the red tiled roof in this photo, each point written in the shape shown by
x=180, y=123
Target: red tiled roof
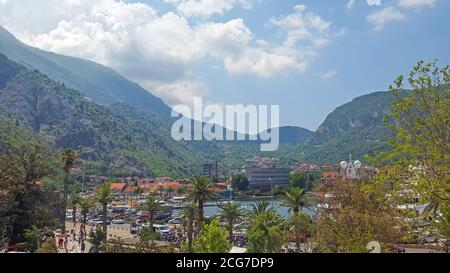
x=130, y=189
x=118, y=186
x=154, y=186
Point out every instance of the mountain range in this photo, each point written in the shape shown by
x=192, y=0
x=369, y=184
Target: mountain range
x=99, y=83
x=121, y=128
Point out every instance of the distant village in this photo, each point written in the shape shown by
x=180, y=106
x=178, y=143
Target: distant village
x=262, y=174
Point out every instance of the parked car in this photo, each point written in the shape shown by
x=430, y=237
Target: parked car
x=428, y=239
x=119, y=216
x=162, y=216
x=162, y=229
x=99, y=222
x=134, y=229
x=175, y=221
x=118, y=222
x=397, y=249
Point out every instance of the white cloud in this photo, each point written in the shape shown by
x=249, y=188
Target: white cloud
x=416, y=3
x=180, y=91
x=374, y=2
x=207, y=8
x=350, y=4
x=160, y=51
x=382, y=17
x=325, y=75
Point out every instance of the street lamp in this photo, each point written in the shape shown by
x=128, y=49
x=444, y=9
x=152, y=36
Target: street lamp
x=271, y=187
x=349, y=169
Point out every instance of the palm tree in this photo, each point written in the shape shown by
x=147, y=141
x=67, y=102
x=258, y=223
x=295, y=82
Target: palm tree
x=296, y=199
x=232, y=213
x=85, y=206
x=151, y=205
x=267, y=222
x=104, y=196
x=68, y=158
x=200, y=190
x=188, y=216
x=259, y=208
x=75, y=200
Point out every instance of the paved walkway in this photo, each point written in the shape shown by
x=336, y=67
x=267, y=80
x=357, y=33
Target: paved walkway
x=122, y=231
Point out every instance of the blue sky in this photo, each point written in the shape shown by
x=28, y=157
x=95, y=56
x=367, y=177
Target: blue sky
x=351, y=50
x=365, y=60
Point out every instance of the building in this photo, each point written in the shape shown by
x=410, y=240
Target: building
x=211, y=171
x=265, y=178
x=306, y=168
x=94, y=181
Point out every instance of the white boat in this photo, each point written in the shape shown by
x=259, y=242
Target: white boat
x=178, y=202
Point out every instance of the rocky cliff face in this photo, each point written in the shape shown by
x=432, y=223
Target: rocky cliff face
x=360, y=119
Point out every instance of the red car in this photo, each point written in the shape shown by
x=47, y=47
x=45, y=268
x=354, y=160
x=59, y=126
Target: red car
x=397, y=249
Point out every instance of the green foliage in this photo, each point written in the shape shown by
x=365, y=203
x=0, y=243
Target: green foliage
x=151, y=206
x=212, y=239
x=146, y=241
x=25, y=200
x=103, y=195
x=48, y=246
x=96, y=239
x=357, y=214
x=296, y=199
x=188, y=217
x=257, y=241
x=85, y=205
x=33, y=237
x=201, y=189
x=265, y=234
x=421, y=122
x=232, y=213
x=116, y=141
x=301, y=224
x=240, y=183
x=303, y=180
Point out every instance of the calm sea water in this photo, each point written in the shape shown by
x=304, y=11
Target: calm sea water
x=211, y=211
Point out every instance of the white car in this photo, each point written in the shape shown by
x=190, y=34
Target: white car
x=162, y=229
x=118, y=222
x=428, y=239
x=96, y=222
x=175, y=221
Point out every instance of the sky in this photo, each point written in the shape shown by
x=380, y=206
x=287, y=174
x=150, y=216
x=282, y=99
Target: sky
x=309, y=57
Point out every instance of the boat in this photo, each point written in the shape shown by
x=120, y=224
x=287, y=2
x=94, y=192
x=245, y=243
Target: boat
x=178, y=202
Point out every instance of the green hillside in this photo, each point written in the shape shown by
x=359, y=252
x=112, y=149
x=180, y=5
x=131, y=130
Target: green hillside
x=99, y=83
x=116, y=140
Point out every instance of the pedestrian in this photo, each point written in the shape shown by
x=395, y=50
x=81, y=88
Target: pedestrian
x=66, y=244
x=83, y=247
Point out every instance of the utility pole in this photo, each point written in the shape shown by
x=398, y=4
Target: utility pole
x=83, y=181
x=271, y=187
